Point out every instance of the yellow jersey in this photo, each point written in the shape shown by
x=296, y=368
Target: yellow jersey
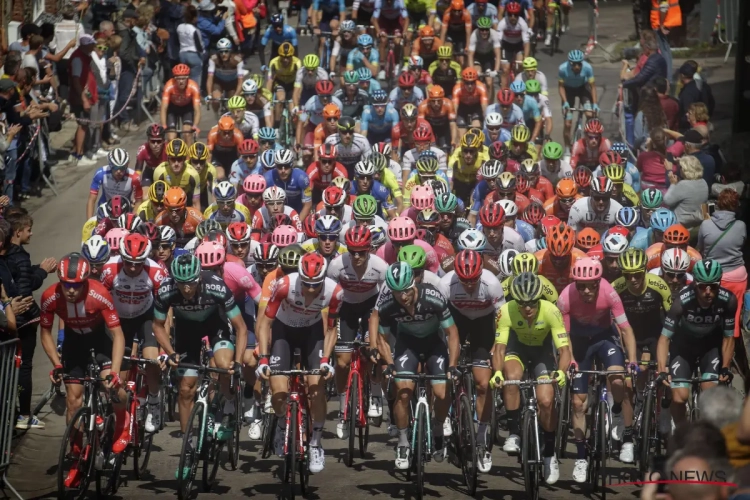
x=146, y=211
x=208, y=175
x=530, y=148
x=548, y=321
x=420, y=6
x=189, y=179
x=388, y=179
x=459, y=171
x=239, y=214
x=88, y=228
x=312, y=245
x=282, y=74
x=548, y=289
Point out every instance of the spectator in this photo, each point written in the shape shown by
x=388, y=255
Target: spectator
x=669, y=104
x=690, y=94
x=695, y=464
x=696, y=145
x=720, y=405
x=191, y=43
x=106, y=29
x=27, y=279
x=169, y=17
x=114, y=68
x=664, y=17
x=650, y=116
x=210, y=25
x=692, y=436
x=27, y=31
x=65, y=31
x=99, y=110
x=54, y=57
x=651, y=162
x=8, y=292
x=83, y=95
x=246, y=21
x=6, y=139
x=143, y=35
x=687, y=193
x=131, y=57
x=724, y=227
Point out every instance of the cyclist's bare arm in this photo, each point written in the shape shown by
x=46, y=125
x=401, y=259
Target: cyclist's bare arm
x=296, y=95
x=563, y=94
x=498, y=59
x=537, y=128
x=163, y=112
x=196, y=114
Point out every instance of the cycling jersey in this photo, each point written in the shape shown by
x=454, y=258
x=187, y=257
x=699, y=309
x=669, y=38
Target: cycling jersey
x=212, y=302
x=548, y=320
x=560, y=278
x=357, y=286
x=489, y=11
x=409, y=161
x=191, y=96
x=262, y=221
x=226, y=71
x=313, y=109
x=446, y=79
x=687, y=317
x=288, y=34
x=289, y=306
x=321, y=133
x=146, y=157
x=319, y=180
x=571, y=80
x=240, y=170
x=486, y=298
x=439, y=118
x=484, y=46
x=389, y=180
x=460, y=171
x=388, y=254
x=352, y=106
x=249, y=125
x=377, y=126
x=456, y=23
x=653, y=254
x=393, y=11
x=530, y=109
x=218, y=141
x=347, y=215
x=565, y=171
x=400, y=135
x=313, y=246
x=261, y=106
x=582, y=215
x=184, y=230
x=381, y=194
x=128, y=187
x=133, y=296
x=94, y=309
x=341, y=51
x=397, y=99
x=355, y=58
x=645, y=310
x=539, y=76
x=420, y=6
x=239, y=214
x=548, y=289
x=552, y=207
x=643, y=239
x=241, y=283
x=511, y=241
x=145, y=211
x=513, y=117
x=350, y=154
x=414, y=181
x=329, y=6
x=581, y=154
x=521, y=201
x=461, y=96
x=188, y=179
x=513, y=33
x=431, y=313
x=587, y=320
x=306, y=81
x=297, y=187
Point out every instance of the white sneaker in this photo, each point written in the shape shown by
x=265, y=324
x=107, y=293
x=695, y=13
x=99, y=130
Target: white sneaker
x=580, y=470
x=31, y=422
x=511, y=445
x=551, y=470
x=447, y=427
x=255, y=431
x=665, y=422
x=484, y=459
x=317, y=459
x=249, y=415
x=618, y=426
x=86, y=162
x=626, y=453
x=438, y=452
x=101, y=153
x=548, y=40
x=381, y=74
x=403, y=457
x=342, y=429
x=152, y=419
x=376, y=407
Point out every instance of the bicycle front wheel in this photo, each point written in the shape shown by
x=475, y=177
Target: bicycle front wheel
x=419, y=453
x=351, y=416
x=601, y=458
x=644, y=437
x=192, y=443
x=77, y=453
x=529, y=447
x=108, y=474
x=142, y=447
x=292, y=455
x=467, y=442
x=563, y=421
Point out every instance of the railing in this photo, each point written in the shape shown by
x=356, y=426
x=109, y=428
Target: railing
x=10, y=361
x=727, y=23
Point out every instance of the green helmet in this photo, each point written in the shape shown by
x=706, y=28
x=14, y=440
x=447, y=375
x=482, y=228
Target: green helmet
x=707, y=271
x=351, y=77
x=311, y=61
x=414, y=255
x=651, y=198
x=399, y=277
x=206, y=226
x=632, y=260
x=533, y=87
x=289, y=257
x=484, y=23
x=446, y=203
x=185, y=268
x=552, y=151
x=526, y=287
x=364, y=207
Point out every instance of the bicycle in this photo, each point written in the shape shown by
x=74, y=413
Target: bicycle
x=695, y=391
x=556, y=28
x=269, y=421
x=357, y=398
x=646, y=432
x=222, y=103
x=563, y=407
x=531, y=451
x=579, y=123
x=392, y=56
x=463, y=442
x=286, y=122
x=325, y=61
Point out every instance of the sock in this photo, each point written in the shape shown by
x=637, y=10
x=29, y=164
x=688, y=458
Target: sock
x=514, y=426
x=616, y=408
x=342, y=403
x=317, y=433
x=627, y=436
x=549, y=443
x=153, y=399
x=376, y=390
x=403, y=439
x=482, y=434
x=581, y=449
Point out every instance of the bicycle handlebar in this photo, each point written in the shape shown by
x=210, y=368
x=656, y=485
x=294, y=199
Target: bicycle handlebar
x=420, y=376
x=694, y=380
x=142, y=361
x=202, y=368
x=289, y=373
x=529, y=383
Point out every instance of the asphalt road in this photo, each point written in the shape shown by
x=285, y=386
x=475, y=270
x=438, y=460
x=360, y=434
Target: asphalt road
x=57, y=231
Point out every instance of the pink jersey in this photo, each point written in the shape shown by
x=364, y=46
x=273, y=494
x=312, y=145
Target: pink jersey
x=241, y=282
x=388, y=254
x=582, y=320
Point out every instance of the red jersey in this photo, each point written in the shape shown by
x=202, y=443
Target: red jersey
x=319, y=180
x=544, y=186
x=146, y=157
x=399, y=134
x=521, y=201
x=94, y=310
x=560, y=278
x=582, y=155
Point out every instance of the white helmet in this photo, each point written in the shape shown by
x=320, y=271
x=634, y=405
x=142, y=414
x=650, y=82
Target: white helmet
x=274, y=193
x=382, y=148
x=249, y=87
x=472, y=239
x=614, y=244
x=224, y=44
x=168, y=234
x=118, y=158
x=364, y=167
x=283, y=157
x=505, y=262
x=491, y=169
x=509, y=206
x=675, y=260
x=225, y=191
x=96, y=250
x=493, y=120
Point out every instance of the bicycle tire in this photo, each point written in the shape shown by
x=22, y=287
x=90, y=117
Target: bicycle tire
x=142, y=450
x=304, y=465
x=211, y=456
x=269, y=429
x=352, y=403
x=529, y=445
x=644, y=437
x=557, y=23
x=364, y=433
x=291, y=456
x=233, y=447
x=467, y=442
x=601, y=480
x=593, y=445
x=419, y=453
x=83, y=414
x=108, y=479
x=185, y=484
x=563, y=421
x=493, y=421
x=283, y=129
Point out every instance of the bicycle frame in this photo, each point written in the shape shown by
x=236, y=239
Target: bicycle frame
x=357, y=366
x=695, y=390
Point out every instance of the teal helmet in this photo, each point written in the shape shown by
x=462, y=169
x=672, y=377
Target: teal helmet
x=186, y=268
x=446, y=203
x=351, y=77
x=707, y=271
x=651, y=198
x=399, y=277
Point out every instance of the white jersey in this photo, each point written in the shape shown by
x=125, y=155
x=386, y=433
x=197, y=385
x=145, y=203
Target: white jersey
x=359, y=149
x=487, y=298
x=539, y=76
x=287, y=302
x=357, y=289
x=346, y=217
x=249, y=126
x=307, y=81
x=410, y=159
x=377, y=221
x=544, y=108
x=511, y=241
x=564, y=172
x=513, y=33
x=480, y=45
x=395, y=167
x=582, y=215
x=133, y=296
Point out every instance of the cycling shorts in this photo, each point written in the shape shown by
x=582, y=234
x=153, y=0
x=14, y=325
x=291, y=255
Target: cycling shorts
x=350, y=319
x=179, y=114
x=457, y=34
x=510, y=50
x=325, y=21
x=583, y=93
x=287, y=86
x=390, y=26
x=606, y=347
x=76, y=353
x=480, y=332
x=538, y=360
x=464, y=112
x=224, y=156
x=189, y=336
x=686, y=353
x=229, y=87
x=374, y=137
x=486, y=61
x=287, y=339
x=409, y=349
x=138, y=330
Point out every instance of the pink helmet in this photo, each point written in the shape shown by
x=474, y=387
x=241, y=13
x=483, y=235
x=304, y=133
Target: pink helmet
x=587, y=269
x=254, y=183
x=402, y=229
x=211, y=254
x=283, y=236
x=114, y=237
x=422, y=197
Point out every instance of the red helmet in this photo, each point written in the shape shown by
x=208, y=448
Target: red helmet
x=217, y=236
x=498, y=151
x=506, y=96
x=406, y=80
x=135, y=248
x=324, y=87
x=73, y=268
x=492, y=215
x=181, y=70
x=238, y=232
x=334, y=196
x=468, y=265
x=248, y=147
x=281, y=220
x=328, y=151
x=609, y=158
x=254, y=183
x=358, y=238
x=513, y=8
x=582, y=175
x=522, y=183
x=151, y=232
x=422, y=134
x=155, y=130
x=312, y=268
x=548, y=221
x=267, y=253
x=308, y=225
x=594, y=126
x=117, y=206
x=211, y=254
x=533, y=214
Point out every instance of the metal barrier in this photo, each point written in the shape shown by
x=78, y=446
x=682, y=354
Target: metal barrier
x=10, y=361
x=727, y=23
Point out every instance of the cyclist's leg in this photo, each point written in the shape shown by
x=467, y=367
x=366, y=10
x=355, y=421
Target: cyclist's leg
x=610, y=353
x=150, y=350
x=313, y=340
x=542, y=365
x=482, y=340
x=513, y=369
x=171, y=132
x=187, y=342
x=75, y=359
x=348, y=326
x=570, y=93
x=586, y=103
x=281, y=360
x=216, y=94
x=680, y=366
x=583, y=352
x=504, y=63
x=188, y=130
x=710, y=364
x=406, y=359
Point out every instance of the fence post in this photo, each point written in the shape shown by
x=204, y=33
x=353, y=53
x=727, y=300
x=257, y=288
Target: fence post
x=10, y=361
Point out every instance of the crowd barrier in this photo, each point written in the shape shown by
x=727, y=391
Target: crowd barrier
x=727, y=23
x=10, y=361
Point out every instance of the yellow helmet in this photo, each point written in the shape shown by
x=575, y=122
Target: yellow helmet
x=615, y=172
x=525, y=263
x=444, y=52
x=632, y=260
x=177, y=149
x=520, y=133
x=156, y=192
x=198, y=152
x=286, y=49
x=470, y=141
x=478, y=131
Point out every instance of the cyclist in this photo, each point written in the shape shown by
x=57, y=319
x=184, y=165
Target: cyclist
x=597, y=211
x=402, y=231
x=342, y=46
x=317, y=112
x=114, y=179
x=180, y=103
x=307, y=77
x=353, y=98
x=675, y=236
x=520, y=147
x=326, y=16
x=566, y=6
x=589, y=307
x=426, y=45
x=527, y=329
x=267, y=140
x=389, y=19
x=208, y=174
x=378, y=118
x=506, y=189
x=402, y=135
x=226, y=209
x=417, y=335
x=510, y=112
x=240, y=243
x=184, y=220
x=658, y=222
x=421, y=13
x=621, y=191
x=553, y=166
x=698, y=332
x=514, y=36
x=176, y=172
x=328, y=127
x=532, y=115
x=635, y=175
x=259, y=105
x=201, y=302
x=225, y=73
x=367, y=82
x=333, y=203
x=326, y=243
x=360, y=276
x=292, y=180
x=364, y=56
x=513, y=263
x=469, y=100
x=531, y=72
x=534, y=91
x=499, y=236
x=166, y=249
x=480, y=9
x=465, y=163
x=352, y=147
x=445, y=72
x=224, y=140
x=274, y=199
x=246, y=121
x=558, y=258
x=406, y=92
x=576, y=80
x=96, y=251
x=675, y=263
x=485, y=43
x=364, y=213
x=365, y=184
x=389, y=172
x=322, y=171
x=424, y=152
x=247, y=163
x=527, y=10
x=278, y=33
x=456, y=24
x=150, y=155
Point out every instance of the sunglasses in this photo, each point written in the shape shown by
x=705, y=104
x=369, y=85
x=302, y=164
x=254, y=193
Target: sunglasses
x=567, y=201
x=166, y=246
x=346, y=132
x=265, y=265
x=249, y=157
x=225, y=203
x=102, y=47
x=328, y=237
x=156, y=143
x=469, y=150
x=359, y=253
x=593, y=137
x=73, y=286
x=274, y=203
x=600, y=198
x=589, y=285
x=636, y=274
x=672, y=275
x=708, y=286
x=364, y=177
x=530, y=303
x=176, y=210
x=312, y=285
x=470, y=283
x=494, y=129
x=332, y=120
x=187, y=284
x=284, y=167
x=327, y=162
x=253, y=195
x=268, y=143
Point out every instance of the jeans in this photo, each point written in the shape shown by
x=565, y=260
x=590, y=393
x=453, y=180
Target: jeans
x=11, y=169
x=27, y=334
x=127, y=77
x=629, y=128
x=666, y=51
x=195, y=62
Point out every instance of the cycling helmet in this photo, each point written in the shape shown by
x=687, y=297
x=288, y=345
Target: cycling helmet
x=236, y=102
x=73, y=268
x=379, y=97
x=498, y=151
x=226, y=123
x=469, y=75
x=484, y=23
x=446, y=203
x=582, y=175
x=406, y=80
x=155, y=131
x=346, y=123
x=662, y=218
x=601, y=186
x=365, y=207
x=129, y=221
x=328, y=224
x=492, y=119
x=331, y=111
x=175, y=197
x=422, y=197
x=334, y=196
x=290, y=256
x=627, y=217
x=608, y=158
x=380, y=161
x=401, y=229
x=96, y=250
x=468, y=265
x=618, y=229
x=651, y=198
x=478, y=132
x=343, y=183
x=181, y=70
x=614, y=172
x=238, y=232
x=267, y=134
x=225, y=191
x=614, y=243
x=364, y=168
x=224, y=44
x=351, y=78
x=427, y=166
x=358, y=238
x=266, y=253
x=552, y=151
x=328, y=152
x=428, y=218
x=566, y=188
x=587, y=238
x=308, y=225
x=505, y=262
x=414, y=255
x=594, y=127
x=491, y=169
x=348, y=25
x=312, y=268
x=311, y=61
x=283, y=157
x=135, y=248
x=156, y=192
x=198, y=152
x=622, y=149
x=526, y=287
x=365, y=75
x=286, y=50
x=525, y=263
x=114, y=238
x=560, y=240
x=472, y=239
x=533, y=214
x=436, y=92
x=399, y=276
x=677, y=235
x=267, y=159
x=409, y=111
x=506, y=182
x=513, y=8
x=547, y=222
x=324, y=87
x=492, y=215
x=587, y=269
x=284, y=236
x=280, y=220
x=205, y=226
x=510, y=207
x=378, y=236
x=249, y=87
x=364, y=41
x=274, y=193
x=248, y=147
x=254, y=184
x=541, y=244
x=168, y=235
x=118, y=159
x=186, y=268
x=505, y=97
x=426, y=32
x=211, y=254
x=445, y=52
x=518, y=87
x=422, y=134
x=632, y=260
x=118, y=205
x=529, y=63
x=675, y=260
x=470, y=141
x=533, y=87
x=575, y=56
x=530, y=167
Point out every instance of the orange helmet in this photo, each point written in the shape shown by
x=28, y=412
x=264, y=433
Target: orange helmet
x=566, y=188
x=181, y=70
x=175, y=197
x=426, y=31
x=436, y=92
x=469, y=74
x=457, y=4
x=226, y=123
x=331, y=111
x=587, y=238
x=560, y=240
x=676, y=234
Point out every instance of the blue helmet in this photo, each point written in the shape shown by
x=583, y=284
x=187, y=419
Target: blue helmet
x=364, y=40
x=328, y=224
x=379, y=97
x=575, y=56
x=378, y=236
x=627, y=216
x=620, y=148
x=427, y=154
x=267, y=134
x=662, y=218
x=518, y=87
x=267, y=159
x=364, y=74
x=96, y=250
